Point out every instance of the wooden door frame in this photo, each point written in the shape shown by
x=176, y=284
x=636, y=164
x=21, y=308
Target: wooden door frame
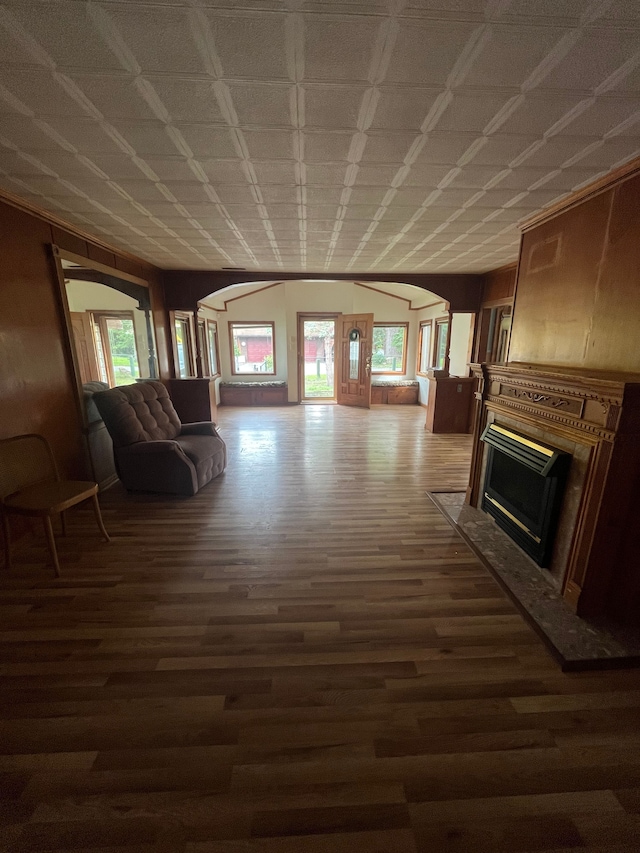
x=301, y=317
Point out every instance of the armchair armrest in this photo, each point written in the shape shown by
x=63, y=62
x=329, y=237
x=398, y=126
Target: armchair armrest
x=199, y=428
x=147, y=448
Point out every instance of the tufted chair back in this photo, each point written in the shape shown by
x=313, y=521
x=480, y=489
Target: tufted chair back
x=140, y=412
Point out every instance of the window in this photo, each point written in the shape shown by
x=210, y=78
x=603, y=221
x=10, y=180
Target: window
x=114, y=335
x=424, y=347
x=252, y=348
x=208, y=346
x=389, y=348
x=183, y=345
x=212, y=348
x=442, y=334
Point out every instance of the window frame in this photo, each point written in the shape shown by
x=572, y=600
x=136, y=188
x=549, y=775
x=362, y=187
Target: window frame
x=424, y=324
x=248, y=324
x=404, y=325
x=440, y=322
x=99, y=318
x=209, y=325
x=189, y=345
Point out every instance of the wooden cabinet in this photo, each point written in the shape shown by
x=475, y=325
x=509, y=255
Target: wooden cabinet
x=397, y=395
x=449, y=403
x=194, y=399
x=252, y=394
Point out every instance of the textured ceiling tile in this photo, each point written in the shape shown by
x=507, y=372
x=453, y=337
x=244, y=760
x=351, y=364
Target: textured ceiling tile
x=327, y=147
x=512, y=54
x=403, y=108
x=471, y=111
x=188, y=99
x=160, y=39
x=40, y=92
x=85, y=135
x=338, y=48
x=387, y=148
x=444, y=148
x=146, y=137
x=269, y=144
x=206, y=141
x=275, y=173
x=115, y=97
x=538, y=113
x=325, y=174
x=332, y=106
x=65, y=32
x=606, y=114
x=250, y=44
x=364, y=132
x=376, y=176
x=597, y=55
x=426, y=51
x=261, y=104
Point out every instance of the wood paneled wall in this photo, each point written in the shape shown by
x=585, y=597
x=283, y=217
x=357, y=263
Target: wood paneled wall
x=499, y=284
x=36, y=387
x=578, y=296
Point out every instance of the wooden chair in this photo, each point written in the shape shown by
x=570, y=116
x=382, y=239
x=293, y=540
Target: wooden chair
x=30, y=485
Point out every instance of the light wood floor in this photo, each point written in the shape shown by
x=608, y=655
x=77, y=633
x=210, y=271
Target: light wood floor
x=304, y=658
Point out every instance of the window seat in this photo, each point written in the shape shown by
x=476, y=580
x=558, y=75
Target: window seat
x=274, y=393
x=398, y=392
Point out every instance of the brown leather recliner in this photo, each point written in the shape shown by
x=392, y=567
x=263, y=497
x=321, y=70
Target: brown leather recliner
x=153, y=451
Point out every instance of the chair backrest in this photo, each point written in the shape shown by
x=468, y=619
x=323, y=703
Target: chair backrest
x=24, y=461
x=88, y=390
x=140, y=412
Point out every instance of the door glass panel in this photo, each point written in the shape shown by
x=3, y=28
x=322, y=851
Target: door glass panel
x=122, y=348
x=318, y=362
x=213, y=349
x=354, y=354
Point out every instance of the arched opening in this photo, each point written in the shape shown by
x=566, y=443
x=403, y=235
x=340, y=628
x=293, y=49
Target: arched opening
x=254, y=332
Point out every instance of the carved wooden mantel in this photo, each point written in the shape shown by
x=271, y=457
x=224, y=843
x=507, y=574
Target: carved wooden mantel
x=599, y=413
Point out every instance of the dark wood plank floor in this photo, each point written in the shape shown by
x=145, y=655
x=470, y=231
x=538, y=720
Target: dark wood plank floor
x=303, y=657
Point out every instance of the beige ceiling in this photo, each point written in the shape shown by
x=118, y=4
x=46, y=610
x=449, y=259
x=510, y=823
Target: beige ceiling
x=362, y=135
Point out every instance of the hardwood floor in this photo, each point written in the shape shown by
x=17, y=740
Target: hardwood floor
x=303, y=658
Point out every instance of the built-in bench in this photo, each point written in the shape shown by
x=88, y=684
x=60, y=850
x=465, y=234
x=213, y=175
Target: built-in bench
x=398, y=392
x=254, y=394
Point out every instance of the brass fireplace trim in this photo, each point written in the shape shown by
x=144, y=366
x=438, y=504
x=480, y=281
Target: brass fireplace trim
x=514, y=435
x=512, y=517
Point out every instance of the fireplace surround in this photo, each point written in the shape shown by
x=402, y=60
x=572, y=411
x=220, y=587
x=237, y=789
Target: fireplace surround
x=594, y=417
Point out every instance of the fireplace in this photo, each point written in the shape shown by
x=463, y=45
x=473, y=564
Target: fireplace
x=523, y=487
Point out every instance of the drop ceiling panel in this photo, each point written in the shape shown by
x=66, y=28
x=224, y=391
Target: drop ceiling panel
x=366, y=135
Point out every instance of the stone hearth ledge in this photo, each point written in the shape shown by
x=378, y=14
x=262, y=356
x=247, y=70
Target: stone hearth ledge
x=574, y=642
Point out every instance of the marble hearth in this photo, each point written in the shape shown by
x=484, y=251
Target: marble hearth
x=595, y=417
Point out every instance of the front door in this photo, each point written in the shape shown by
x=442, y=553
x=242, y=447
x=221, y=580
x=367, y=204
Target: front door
x=354, y=338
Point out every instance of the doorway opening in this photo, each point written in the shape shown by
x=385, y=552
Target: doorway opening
x=316, y=357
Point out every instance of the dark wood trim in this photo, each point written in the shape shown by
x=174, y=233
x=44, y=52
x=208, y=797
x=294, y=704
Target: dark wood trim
x=233, y=323
x=88, y=264
x=424, y=323
x=56, y=221
x=383, y=292
x=185, y=288
x=191, y=350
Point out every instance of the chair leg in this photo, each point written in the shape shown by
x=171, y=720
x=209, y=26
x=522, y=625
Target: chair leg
x=63, y=523
x=48, y=529
x=7, y=539
x=98, y=514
